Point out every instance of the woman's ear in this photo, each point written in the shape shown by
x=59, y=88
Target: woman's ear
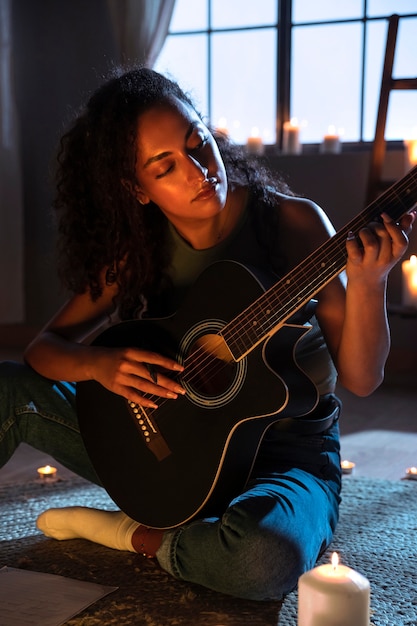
x=136, y=191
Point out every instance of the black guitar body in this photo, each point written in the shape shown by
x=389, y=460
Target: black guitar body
x=192, y=455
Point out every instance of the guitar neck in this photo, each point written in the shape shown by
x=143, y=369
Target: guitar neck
x=294, y=290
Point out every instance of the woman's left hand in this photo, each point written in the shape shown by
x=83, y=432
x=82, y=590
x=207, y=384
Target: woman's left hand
x=378, y=247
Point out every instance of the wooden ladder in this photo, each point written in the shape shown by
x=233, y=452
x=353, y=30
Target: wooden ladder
x=388, y=83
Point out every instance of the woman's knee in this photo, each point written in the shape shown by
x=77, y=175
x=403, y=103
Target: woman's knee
x=15, y=375
x=270, y=558
x=10, y=369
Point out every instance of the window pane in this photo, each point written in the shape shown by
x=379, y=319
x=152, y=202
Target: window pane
x=388, y=7
x=401, y=117
x=376, y=36
x=235, y=13
x=189, y=15
x=323, y=10
x=192, y=76
x=244, y=86
x=326, y=81
x=405, y=60
x=400, y=111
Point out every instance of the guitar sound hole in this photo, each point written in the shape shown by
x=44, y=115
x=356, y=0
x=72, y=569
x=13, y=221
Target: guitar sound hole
x=209, y=367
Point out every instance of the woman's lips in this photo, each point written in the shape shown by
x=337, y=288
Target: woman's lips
x=208, y=189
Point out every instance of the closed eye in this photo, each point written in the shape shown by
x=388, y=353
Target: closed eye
x=203, y=141
x=201, y=144
x=165, y=172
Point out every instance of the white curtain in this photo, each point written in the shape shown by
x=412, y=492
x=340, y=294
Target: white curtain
x=141, y=27
x=11, y=203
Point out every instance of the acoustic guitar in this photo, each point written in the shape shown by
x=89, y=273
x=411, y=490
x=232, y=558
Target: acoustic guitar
x=236, y=339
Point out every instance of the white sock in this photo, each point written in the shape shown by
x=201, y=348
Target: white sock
x=113, y=529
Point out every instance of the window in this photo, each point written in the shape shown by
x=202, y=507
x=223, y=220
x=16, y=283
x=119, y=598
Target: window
x=250, y=66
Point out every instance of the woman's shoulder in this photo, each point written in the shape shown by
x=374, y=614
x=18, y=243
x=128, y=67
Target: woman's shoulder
x=303, y=225
x=302, y=213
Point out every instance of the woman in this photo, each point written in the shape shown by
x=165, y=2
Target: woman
x=147, y=198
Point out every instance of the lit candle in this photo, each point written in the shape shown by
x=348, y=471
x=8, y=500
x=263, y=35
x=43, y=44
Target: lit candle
x=411, y=473
x=333, y=594
x=331, y=142
x=291, y=137
x=411, y=150
x=222, y=127
x=347, y=467
x=254, y=144
x=47, y=473
x=409, y=281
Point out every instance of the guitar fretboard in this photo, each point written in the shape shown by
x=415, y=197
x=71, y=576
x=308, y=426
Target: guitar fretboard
x=293, y=291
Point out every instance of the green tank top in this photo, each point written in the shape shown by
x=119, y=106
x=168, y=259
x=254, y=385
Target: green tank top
x=241, y=245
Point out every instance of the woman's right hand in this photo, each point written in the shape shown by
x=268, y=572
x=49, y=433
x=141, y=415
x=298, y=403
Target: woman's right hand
x=134, y=374
x=59, y=353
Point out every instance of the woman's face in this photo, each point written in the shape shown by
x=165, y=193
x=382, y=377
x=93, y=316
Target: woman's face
x=179, y=166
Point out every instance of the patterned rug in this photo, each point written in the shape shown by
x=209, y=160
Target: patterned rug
x=377, y=535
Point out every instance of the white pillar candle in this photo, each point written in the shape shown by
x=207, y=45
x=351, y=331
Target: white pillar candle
x=331, y=142
x=222, y=127
x=410, y=153
x=409, y=281
x=254, y=144
x=333, y=595
x=291, y=137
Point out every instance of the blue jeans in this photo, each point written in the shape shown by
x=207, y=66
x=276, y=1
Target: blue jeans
x=40, y=412
x=268, y=536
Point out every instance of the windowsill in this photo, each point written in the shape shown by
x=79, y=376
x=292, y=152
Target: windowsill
x=346, y=147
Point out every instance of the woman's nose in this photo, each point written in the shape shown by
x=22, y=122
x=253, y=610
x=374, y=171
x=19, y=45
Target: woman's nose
x=198, y=168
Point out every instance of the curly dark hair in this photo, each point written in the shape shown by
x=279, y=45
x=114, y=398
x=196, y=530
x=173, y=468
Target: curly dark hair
x=105, y=234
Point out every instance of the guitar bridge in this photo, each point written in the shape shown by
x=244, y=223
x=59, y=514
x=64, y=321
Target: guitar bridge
x=149, y=433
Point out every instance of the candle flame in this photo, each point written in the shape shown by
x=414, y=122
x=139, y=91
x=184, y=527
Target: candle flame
x=47, y=469
x=335, y=560
x=413, y=259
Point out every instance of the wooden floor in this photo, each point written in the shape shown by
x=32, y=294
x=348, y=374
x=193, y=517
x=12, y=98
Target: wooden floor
x=379, y=434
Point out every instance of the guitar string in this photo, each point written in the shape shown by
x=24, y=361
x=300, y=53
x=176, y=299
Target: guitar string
x=321, y=259
x=342, y=234
x=338, y=242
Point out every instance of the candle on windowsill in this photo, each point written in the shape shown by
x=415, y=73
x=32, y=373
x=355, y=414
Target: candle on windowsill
x=254, y=144
x=47, y=473
x=409, y=281
x=333, y=594
x=222, y=127
x=331, y=143
x=291, y=137
x=411, y=151
x=347, y=466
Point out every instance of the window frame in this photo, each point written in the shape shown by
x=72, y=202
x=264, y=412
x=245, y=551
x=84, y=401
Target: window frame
x=285, y=26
